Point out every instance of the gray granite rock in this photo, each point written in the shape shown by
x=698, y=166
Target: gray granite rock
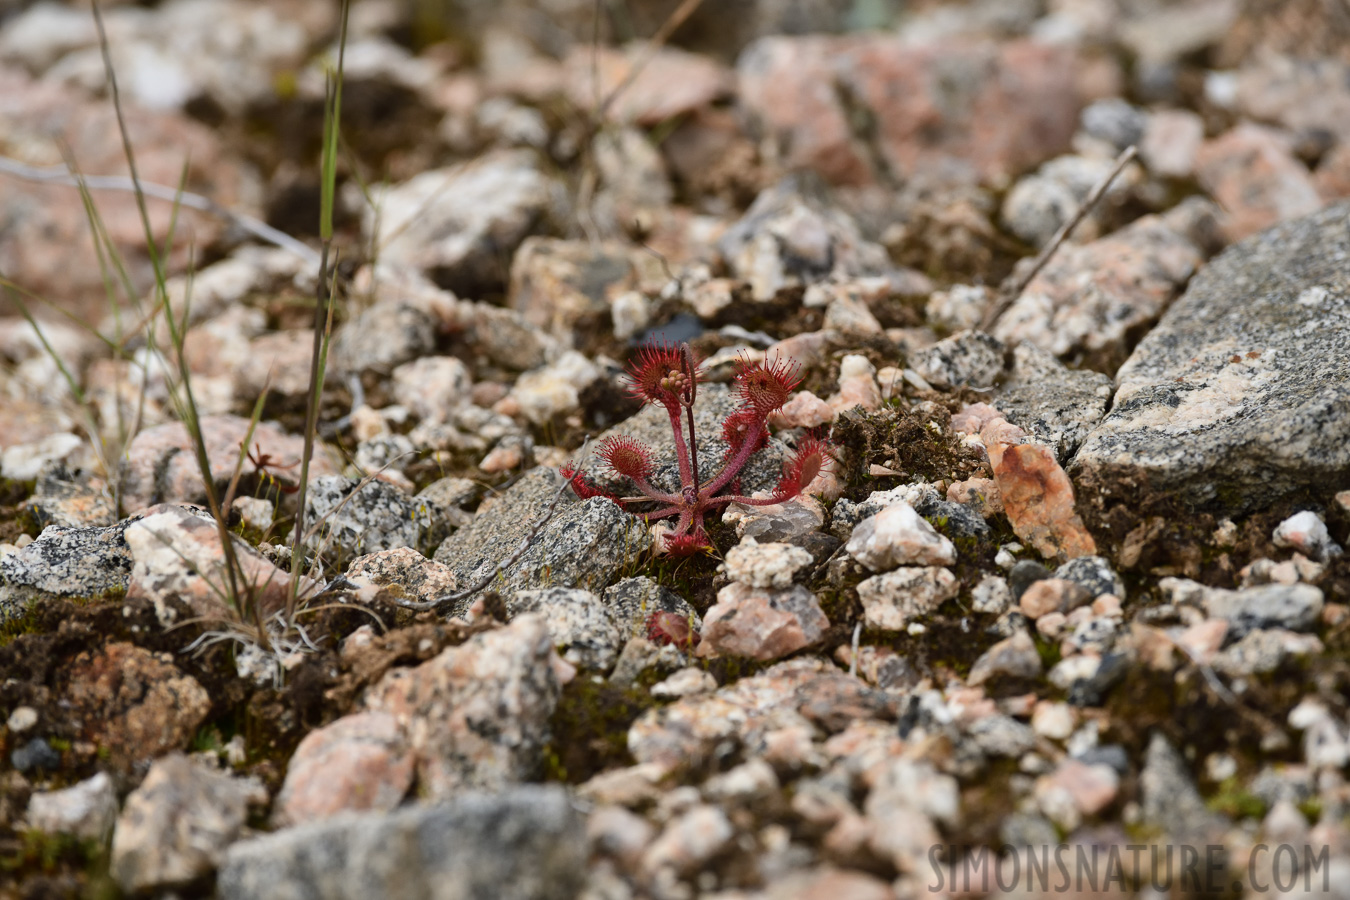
x=632, y=601
x=1296, y=607
x=1014, y=657
x=1241, y=394
x=1041, y=202
x=70, y=499
x=382, y=337
x=1114, y=121
x=792, y=235
x=87, y=810
x=176, y=826
x=1054, y=404
x=460, y=224
x=580, y=624
x=65, y=562
x=385, y=453
x=584, y=544
x=445, y=499
x=846, y=515
x=967, y=359
x=527, y=843
x=892, y=600
x=355, y=522
x=1094, y=574
x=955, y=519
x=1169, y=798
x=1263, y=651
x=1000, y=735
x=451, y=492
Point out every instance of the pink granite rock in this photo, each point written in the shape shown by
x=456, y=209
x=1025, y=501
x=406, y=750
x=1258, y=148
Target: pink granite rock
x=178, y=556
x=161, y=468
x=980, y=493
x=997, y=108
x=47, y=229
x=1253, y=174
x=1052, y=595
x=673, y=82
x=133, y=704
x=1090, y=299
x=787, y=87
x=1077, y=789
x=360, y=762
x=419, y=578
x=477, y=714
x=804, y=410
x=762, y=623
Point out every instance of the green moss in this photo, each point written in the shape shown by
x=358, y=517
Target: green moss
x=1049, y=652
x=35, y=853
x=27, y=622
x=590, y=728
x=208, y=739
x=1235, y=802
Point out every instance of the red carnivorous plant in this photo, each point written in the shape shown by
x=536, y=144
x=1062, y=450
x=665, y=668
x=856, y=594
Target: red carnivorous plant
x=668, y=374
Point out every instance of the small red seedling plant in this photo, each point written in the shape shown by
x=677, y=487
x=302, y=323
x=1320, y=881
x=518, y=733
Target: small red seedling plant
x=668, y=375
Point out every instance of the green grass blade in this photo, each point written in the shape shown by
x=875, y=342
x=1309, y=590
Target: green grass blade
x=331, y=126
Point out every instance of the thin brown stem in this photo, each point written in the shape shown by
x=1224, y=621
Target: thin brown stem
x=1014, y=287
x=655, y=43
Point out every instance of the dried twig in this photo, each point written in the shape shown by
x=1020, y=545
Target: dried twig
x=654, y=43
x=62, y=175
x=1015, y=285
x=525, y=544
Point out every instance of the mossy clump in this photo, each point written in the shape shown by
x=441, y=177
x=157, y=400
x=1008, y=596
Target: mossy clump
x=900, y=440
x=51, y=865
x=27, y=622
x=951, y=641
x=1236, y=802
x=590, y=728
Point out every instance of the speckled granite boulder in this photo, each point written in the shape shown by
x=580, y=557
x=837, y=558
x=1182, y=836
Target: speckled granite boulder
x=356, y=519
x=472, y=846
x=1053, y=403
x=584, y=545
x=65, y=562
x=1242, y=393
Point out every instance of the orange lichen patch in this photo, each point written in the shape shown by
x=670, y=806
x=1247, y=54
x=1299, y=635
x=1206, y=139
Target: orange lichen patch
x=1038, y=499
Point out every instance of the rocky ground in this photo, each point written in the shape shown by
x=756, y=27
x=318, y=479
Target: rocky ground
x=1075, y=578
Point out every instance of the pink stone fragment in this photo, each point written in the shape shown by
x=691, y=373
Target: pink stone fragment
x=1092, y=788
x=804, y=410
x=980, y=493
x=1052, y=595
x=1253, y=174
x=1038, y=498
x=1203, y=639
x=972, y=418
x=760, y=623
x=360, y=762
